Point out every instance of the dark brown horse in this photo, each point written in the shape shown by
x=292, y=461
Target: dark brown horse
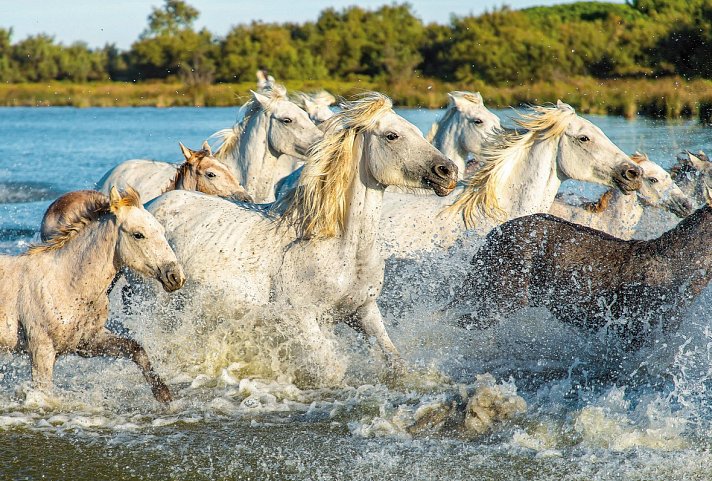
x=588, y=278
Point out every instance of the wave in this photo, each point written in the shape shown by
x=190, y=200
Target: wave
x=17, y=192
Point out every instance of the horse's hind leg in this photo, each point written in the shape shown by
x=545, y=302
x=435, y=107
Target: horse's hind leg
x=107, y=344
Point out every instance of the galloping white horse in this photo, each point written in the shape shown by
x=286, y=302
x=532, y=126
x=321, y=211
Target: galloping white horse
x=272, y=126
x=56, y=293
x=521, y=174
x=618, y=214
x=315, y=253
x=200, y=171
x=464, y=128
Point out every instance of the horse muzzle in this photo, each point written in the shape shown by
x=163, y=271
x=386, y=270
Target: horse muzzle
x=680, y=206
x=442, y=178
x=628, y=178
x=171, y=277
x=242, y=196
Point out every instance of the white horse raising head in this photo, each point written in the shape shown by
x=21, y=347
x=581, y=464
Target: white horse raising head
x=289, y=129
x=394, y=151
x=581, y=152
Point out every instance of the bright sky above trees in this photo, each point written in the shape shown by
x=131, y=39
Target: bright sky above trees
x=121, y=22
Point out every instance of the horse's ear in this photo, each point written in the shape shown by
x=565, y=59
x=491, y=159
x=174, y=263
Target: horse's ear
x=564, y=106
x=114, y=199
x=456, y=101
x=206, y=147
x=708, y=194
x=262, y=99
x=187, y=153
x=478, y=98
x=696, y=162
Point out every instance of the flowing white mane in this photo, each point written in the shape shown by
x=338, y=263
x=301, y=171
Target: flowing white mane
x=317, y=206
x=500, y=158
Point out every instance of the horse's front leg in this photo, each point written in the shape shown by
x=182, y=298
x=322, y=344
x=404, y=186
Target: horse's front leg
x=42, y=357
x=107, y=344
x=368, y=320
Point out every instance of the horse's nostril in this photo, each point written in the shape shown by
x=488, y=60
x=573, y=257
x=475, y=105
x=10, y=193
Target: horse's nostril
x=631, y=173
x=441, y=170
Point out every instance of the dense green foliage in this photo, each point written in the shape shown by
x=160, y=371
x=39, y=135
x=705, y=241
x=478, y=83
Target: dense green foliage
x=642, y=38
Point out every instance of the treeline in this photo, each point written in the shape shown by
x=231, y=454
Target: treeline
x=504, y=47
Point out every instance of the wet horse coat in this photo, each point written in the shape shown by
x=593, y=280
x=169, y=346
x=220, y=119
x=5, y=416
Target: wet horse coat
x=587, y=278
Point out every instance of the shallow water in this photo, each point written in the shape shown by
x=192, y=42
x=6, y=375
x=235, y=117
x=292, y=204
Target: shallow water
x=594, y=411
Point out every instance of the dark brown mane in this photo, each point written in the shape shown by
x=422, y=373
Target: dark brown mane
x=74, y=211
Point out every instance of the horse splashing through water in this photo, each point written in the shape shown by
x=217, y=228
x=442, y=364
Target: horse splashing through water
x=201, y=172
x=587, y=278
x=618, y=214
x=464, y=128
x=521, y=174
x=54, y=298
x=314, y=255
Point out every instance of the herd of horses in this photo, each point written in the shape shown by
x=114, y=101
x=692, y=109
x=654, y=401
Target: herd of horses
x=297, y=206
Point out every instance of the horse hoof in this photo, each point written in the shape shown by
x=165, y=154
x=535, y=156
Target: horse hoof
x=162, y=394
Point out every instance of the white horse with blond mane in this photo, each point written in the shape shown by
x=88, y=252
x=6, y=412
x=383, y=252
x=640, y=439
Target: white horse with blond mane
x=521, y=175
x=464, y=128
x=271, y=126
x=54, y=298
x=618, y=214
x=314, y=255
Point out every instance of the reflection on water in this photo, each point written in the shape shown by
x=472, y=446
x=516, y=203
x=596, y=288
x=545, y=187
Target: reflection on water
x=592, y=411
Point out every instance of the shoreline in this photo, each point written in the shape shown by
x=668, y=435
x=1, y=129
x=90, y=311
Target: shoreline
x=667, y=98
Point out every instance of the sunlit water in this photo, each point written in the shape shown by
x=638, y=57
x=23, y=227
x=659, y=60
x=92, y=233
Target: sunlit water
x=593, y=411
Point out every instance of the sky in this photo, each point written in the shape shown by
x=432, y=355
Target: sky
x=98, y=22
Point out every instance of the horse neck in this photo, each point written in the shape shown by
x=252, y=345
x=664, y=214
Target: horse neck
x=626, y=209
x=447, y=141
x=687, y=246
x=364, y=203
x=89, y=262
x=255, y=160
x=533, y=182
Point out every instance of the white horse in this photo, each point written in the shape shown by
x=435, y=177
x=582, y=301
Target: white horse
x=200, y=171
x=618, y=214
x=464, y=128
x=314, y=254
x=271, y=126
x=54, y=298
x=521, y=174
x=316, y=105
x=268, y=143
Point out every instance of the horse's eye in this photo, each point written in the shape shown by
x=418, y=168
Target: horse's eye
x=286, y=120
x=653, y=180
x=138, y=236
x=584, y=138
x=210, y=175
x=391, y=136
x=477, y=121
